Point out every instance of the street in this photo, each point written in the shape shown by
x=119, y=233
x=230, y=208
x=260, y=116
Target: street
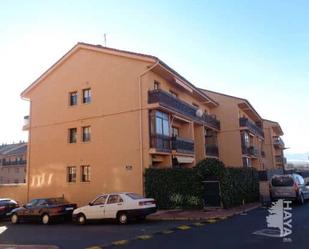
x=235, y=232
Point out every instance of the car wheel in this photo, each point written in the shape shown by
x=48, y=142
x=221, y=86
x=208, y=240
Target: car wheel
x=122, y=218
x=81, y=219
x=14, y=219
x=45, y=219
x=301, y=199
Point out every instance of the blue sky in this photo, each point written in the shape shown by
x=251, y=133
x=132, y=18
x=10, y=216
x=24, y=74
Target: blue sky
x=258, y=49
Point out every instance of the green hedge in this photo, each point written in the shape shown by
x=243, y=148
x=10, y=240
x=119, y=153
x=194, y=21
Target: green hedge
x=183, y=188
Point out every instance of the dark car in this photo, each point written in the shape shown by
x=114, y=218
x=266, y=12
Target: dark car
x=44, y=210
x=6, y=206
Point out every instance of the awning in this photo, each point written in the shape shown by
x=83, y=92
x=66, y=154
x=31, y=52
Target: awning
x=184, y=159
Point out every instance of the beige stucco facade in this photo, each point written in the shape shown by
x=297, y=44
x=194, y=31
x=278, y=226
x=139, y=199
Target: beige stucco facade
x=137, y=104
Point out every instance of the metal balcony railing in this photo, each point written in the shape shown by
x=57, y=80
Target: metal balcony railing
x=212, y=150
x=244, y=122
x=278, y=142
x=169, y=101
x=183, y=145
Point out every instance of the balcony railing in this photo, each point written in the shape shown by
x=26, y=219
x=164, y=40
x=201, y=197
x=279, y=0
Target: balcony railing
x=167, y=144
x=212, y=150
x=169, y=101
x=251, y=151
x=278, y=142
x=6, y=163
x=244, y=122
x=183, y=145
x=26, y=123
x=279, y=159
x=160, y=142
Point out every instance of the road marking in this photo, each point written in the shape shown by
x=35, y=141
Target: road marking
x=198, y=224
x=211, y=221
x=120, y=242
x=167, y=232
x=184, y=227
x=144, y=237
x=2, y=229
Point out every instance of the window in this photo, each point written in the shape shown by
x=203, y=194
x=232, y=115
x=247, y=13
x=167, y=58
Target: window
x=173, y=94
x=175, y=131
x=16, y=181
x=100, y=201
x=86, y=134
x=71, y=174
x=73, y=98
x=245, y=139
x=72, y=135
x=86, y=96
x=162, y=123
x=85, y=173
x=156, y=85
x=114, y=199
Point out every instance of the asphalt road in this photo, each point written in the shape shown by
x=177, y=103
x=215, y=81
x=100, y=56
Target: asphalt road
x=236, y=232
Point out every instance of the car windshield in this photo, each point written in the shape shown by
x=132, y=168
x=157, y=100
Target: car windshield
x=282, y=181
x=56, y=201
x=135, y=196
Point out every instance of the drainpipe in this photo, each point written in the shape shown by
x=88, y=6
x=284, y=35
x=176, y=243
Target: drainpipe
x=141, y=120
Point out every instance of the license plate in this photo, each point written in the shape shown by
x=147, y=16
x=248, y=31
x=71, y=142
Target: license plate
x=69, y=208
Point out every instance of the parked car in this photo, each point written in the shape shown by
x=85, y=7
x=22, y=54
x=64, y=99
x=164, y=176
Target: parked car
x=6, y=206
x=292, y=187
x=44, y=210
x=120, y=206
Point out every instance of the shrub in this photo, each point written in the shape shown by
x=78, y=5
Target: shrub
x=184, y=188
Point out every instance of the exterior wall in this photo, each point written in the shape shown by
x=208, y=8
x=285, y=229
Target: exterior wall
x=17, y=192
x=271, y=151
x=229, y=138
x=113, y=116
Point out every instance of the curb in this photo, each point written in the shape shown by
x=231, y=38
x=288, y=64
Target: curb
x=203, y=218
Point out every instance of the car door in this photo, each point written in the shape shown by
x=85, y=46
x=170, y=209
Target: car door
x=95, y=210
x=28, y=212
x=113, y=205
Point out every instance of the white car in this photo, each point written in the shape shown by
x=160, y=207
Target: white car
x=120, y=206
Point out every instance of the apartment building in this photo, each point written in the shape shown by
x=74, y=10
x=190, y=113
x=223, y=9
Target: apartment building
x=241, y=138
x=13, y=163
x=100, y=116
x=274, y=145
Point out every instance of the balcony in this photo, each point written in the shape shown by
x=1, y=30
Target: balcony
x=244, y=122
x=251, y=151
x=183, y=145
x=280, y=160
x=278, y=143
x=169, y=101
x=167, y=144
x=7, y=163
x=160, y=143
x=212, y=150
x=26, y=123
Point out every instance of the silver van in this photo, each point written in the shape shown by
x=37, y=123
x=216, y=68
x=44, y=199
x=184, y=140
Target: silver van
x=291, y=187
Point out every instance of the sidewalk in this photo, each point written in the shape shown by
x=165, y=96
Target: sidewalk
x=207, y=214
